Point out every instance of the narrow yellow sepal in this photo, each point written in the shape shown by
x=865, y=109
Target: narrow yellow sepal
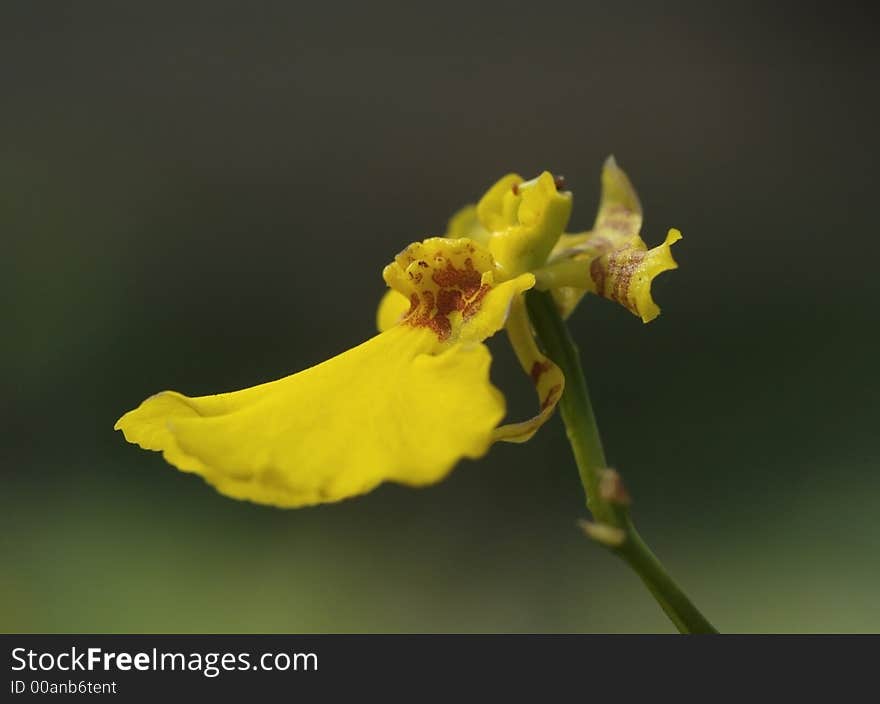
x=547, y=378
x=619, y=207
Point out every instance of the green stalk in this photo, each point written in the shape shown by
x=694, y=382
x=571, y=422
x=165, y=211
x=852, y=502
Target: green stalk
x=606, y=497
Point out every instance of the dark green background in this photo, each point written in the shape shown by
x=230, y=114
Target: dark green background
x=203, y=198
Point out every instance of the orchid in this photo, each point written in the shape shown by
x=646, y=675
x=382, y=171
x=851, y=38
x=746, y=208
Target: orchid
x=408, y=404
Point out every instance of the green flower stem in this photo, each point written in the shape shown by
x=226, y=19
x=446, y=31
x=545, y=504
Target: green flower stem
x=607, y=499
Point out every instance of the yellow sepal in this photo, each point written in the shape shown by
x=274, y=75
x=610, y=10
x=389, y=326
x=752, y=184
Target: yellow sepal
x=545, y=375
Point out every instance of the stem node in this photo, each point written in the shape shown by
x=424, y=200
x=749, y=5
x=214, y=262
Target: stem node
x=602, y=533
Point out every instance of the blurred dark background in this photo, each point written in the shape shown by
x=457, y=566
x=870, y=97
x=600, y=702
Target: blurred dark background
x=176, y=182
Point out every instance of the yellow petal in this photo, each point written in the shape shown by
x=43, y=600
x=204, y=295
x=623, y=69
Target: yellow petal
x=404, y=406
x=546, y=376
x=525, y=219
x=383, y=411
x=497, y=209
x=625, y=275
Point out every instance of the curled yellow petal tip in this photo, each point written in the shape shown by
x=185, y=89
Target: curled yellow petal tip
x=546, y=376
x=625, y=275
x=656, y=261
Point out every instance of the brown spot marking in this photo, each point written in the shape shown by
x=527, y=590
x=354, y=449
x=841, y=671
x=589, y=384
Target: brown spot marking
x=459, y=290
x=421, y=315
x=559, y=182
x=538, y=368
x=597, y=274
x=413, y=305
x=467, y=279
x=448, y=300
x=613, y=271
x=618, y=224
x=441, y=326
x=473, y=305
x=552, y=396
x=624, y=273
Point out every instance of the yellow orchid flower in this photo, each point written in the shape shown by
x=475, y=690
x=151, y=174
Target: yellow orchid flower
x=409, y=403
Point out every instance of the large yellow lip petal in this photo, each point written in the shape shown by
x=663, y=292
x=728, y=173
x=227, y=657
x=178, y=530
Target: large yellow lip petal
x=387, y=410
x=404, y=406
